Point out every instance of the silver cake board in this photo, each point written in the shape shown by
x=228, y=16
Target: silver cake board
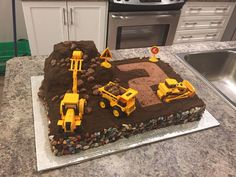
x=47, y=160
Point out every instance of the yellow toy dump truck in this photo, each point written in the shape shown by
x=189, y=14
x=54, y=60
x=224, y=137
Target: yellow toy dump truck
x=71, y=107
x=173, y=90
x=121, y=100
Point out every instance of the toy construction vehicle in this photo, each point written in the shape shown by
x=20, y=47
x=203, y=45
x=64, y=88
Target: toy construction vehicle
x=121, y=100
x=173, y=90
x=71, y=107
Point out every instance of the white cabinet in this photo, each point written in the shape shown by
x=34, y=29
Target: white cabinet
x=197, y=35
x=207, y=8
x=87, y=21
x=203, y=21
x=46, y=24
x=191, y=23
x=51, y=22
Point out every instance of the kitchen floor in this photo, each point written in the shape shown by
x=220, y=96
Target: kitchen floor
x=1, y=87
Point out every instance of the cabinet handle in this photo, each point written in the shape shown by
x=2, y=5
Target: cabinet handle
x=71, y=16
x=193, y=23
x=210, y=35
x=64, y=16
x=216, y=23
x=196, y=9
x=223, y=9
x=186, y=37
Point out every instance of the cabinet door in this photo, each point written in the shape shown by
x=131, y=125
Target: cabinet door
x=87, y=21
x=46, y=24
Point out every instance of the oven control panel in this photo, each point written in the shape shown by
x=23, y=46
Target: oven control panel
x=147, y=2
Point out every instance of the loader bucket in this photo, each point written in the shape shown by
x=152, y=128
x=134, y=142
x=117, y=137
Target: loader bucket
x=190, y=88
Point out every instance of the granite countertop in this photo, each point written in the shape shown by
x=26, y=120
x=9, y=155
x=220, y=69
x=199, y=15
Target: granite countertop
x=64, y=0
x=107, y=0
x=207, y=153
x=210, y=0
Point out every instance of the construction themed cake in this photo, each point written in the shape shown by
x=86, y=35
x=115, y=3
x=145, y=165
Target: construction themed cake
x=92, y=101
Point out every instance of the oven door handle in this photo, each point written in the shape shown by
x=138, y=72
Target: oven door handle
x=117, y=16
x=127, y=17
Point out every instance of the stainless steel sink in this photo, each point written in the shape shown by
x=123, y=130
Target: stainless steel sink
x=218, y=68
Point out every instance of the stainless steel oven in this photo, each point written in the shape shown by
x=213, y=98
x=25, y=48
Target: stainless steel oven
x=142, y=25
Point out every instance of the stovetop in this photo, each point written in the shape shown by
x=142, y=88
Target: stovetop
x=144, y=5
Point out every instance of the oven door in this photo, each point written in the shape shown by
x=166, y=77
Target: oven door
x=141, y=29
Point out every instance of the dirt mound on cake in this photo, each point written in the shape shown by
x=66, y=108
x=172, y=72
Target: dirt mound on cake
x=58, y=78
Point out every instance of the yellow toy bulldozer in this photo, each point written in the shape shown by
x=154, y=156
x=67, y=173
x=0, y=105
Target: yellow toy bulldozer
x=71, y=107
x=172, y=90
x=121, y=102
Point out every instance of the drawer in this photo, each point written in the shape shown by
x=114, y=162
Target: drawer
x=208, y=8
x=198, y=36
x=203, y=22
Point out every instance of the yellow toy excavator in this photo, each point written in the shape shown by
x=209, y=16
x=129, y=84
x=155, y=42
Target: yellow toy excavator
x=173, y=90
x=71, y=107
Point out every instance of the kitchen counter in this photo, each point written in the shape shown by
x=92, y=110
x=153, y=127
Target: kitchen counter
x=64, y=0
x=107, y=0
x=207, y=153
x=210, y=0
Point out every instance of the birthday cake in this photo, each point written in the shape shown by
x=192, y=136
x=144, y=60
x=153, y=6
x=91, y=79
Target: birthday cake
x=91, y=101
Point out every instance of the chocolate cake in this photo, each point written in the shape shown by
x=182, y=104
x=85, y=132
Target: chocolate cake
x=99, y=126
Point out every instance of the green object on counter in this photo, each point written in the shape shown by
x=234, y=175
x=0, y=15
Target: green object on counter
x=7, y=52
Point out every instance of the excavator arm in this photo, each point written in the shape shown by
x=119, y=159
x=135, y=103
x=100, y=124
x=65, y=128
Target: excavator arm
x=75, y=66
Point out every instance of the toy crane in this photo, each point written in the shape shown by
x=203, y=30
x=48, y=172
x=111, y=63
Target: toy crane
x=106, y=55
x=71, y=107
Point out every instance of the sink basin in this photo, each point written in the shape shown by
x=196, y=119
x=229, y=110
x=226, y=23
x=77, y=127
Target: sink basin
x=218, y=68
